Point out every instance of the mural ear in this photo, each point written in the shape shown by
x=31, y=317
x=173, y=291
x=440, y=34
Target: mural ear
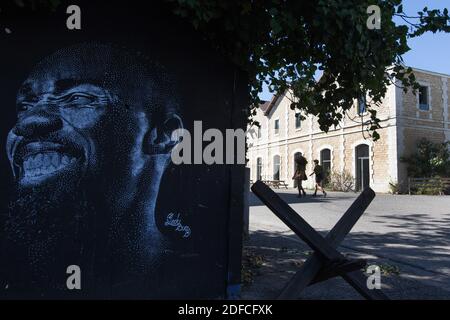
x=159, y=139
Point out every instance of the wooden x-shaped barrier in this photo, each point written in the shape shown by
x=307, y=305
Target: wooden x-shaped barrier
x=326, y=262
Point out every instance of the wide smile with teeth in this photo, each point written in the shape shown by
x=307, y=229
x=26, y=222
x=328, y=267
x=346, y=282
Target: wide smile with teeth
x=42, y=164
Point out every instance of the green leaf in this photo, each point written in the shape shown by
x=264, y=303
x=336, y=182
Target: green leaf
x=283, y=43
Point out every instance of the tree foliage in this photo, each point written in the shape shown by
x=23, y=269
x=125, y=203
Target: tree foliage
x=284, y=43
x=429, y=160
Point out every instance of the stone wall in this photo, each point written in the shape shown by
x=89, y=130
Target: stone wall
x=403, y=124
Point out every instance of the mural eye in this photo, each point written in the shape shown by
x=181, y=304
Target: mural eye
x=21, y=107
x=80, y=98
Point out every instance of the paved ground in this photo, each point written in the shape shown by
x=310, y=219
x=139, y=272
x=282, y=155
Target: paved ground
x=410, y=234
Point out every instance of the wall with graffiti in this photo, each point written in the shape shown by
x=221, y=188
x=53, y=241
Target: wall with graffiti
x=92, y=205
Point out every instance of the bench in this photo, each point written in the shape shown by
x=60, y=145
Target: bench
x=442, y=183
x=276, y=183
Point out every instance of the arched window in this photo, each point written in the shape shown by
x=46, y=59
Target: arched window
x=362, y=173
x=325, y=160
x=259, y=169
x=276, y=167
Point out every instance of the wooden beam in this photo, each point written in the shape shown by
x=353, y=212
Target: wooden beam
x=324, y=248
x=338, y=269
x=312, y=266
x=295, y=222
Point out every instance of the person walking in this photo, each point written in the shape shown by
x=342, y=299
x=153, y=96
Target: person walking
x=318, y=171
x=300, y=173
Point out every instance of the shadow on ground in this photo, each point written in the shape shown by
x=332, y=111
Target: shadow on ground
x=293, y=198
x=414, y=252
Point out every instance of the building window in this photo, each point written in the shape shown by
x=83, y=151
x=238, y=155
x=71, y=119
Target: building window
x=277, y=126
x=361, y=105
x=259, y=169
x=325, y=160
x=423, y=98
x=298, y=121
x=276, y=167
x=259, y=133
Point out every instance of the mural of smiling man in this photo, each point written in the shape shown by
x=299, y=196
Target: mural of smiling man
x=88, y=150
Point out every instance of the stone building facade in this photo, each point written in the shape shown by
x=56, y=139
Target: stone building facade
x=405, y=118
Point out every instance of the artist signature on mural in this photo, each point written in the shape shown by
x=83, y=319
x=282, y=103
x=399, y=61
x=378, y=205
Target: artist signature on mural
x=173, y=220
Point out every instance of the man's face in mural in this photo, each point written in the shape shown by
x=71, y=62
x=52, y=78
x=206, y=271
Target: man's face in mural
x=93, y=126
x=76, y=122
x=56, y=138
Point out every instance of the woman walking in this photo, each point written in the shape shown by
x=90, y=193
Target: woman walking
x=300, y=173
x=318, y=171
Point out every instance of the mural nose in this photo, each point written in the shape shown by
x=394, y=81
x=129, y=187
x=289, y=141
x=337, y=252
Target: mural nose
x=37, y=125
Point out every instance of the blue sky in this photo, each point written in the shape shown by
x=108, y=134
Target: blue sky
x=428, y=52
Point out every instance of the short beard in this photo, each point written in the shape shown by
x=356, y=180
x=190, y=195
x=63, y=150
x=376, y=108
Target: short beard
x=46, y=231
x=50, y=228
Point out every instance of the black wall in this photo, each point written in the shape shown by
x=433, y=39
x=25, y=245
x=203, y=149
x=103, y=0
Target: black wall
x=208, y=197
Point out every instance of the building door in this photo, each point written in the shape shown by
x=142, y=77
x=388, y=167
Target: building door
x=362, y=167
x=259, y=169
x=325, y=161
